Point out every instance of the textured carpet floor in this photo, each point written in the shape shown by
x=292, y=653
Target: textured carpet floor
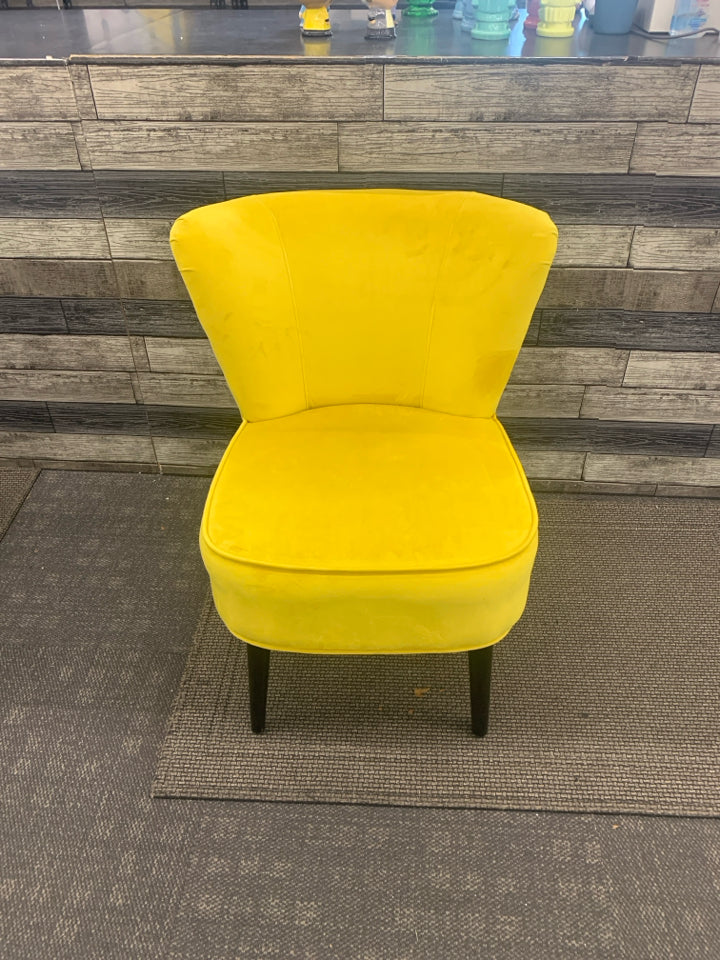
x=14, y=487
x=604, y=696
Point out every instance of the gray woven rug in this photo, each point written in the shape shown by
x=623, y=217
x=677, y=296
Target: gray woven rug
x=15, y=485
x=605, y=695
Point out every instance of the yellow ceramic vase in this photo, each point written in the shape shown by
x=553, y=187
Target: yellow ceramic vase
x=556, y=18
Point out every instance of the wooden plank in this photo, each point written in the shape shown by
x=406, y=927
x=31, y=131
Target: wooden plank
x=66, y=386
x=150, y=280
x=38, y=146
x=705, y=106
x=28, y=193
x=591, y=198
x=24, y=416
x=646, y=469
x=38, y=92
x=624, y=329
x=103, y=418
x=521, y=147
x=551, y=464
x=670, y=439
x=126, y=194
x=57, y=278
x=175, y=355
x=59, y=239
x=139, y=352
x=242, y=92
x=69, y=446
x=684, y=201
x=586, y=486
x=139, y=239
x=162, y=318
x=687, y=371
x=608, y=288
x=680, y=490
x=660, y=406
x=50, y=352
x=80, y=79
x=713, y=449
x=89, y=316
x=247, y=184
x=118, y=145
x=31, y=315
x=539, y=400
x=200, y=422
x=185, y=391
x=674, y=148
x=538, y=92
x=569, y=365
x=593, y=245
x=201, y=453
x=676, y=248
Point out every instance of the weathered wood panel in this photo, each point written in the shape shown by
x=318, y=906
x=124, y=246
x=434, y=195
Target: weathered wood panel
x=521, y=147
x=162, y=318
x=185, y=391
x=245, y=184
x=629, y=330
x=680, y=490
x=59, y=239
x=538, y=92
x=201, y=453
x=103, y=418
x=173, y=355
x=38, y=146
x=608, y=288
x=46, y=195
x=593, y=487
x=569, y=365
x=31, y=315
x=150, y=280
x=713, y=449
x=24, y=416
x=590, y=198
x=706, y=101
x=210, y=92
x=50, y=352
x=200, y=422
x=88, y=316
x=80, y=79
x=660, y=406
x=689, y=371
x=64, y=386
x=684, y=201
x=594, y=245
x=676, y=248
x=69, y=446
x=138, y=239
x=37, y=93
x=549, y=463
x=166, y=196
x=537, y=400
x=638, y=469
x=57, y=278
x=117, y=145
x=610, y=436
x=675, y=148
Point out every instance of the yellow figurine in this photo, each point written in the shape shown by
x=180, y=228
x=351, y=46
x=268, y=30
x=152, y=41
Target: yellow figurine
x=315, y=19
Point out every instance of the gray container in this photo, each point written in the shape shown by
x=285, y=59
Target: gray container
x=614, y=16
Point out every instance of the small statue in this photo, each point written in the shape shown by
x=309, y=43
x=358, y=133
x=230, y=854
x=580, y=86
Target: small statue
x=381, y=22
x=315, y=18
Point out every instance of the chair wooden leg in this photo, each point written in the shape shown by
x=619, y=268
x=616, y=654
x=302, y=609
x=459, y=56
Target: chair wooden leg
x=480, y=663
x=258, y=669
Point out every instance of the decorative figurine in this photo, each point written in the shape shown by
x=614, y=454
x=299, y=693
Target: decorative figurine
x=556, y=18
x=533, y=15
x=420, y=8
x=458, y=10
x=468, y=17
x=315, y=19
x=381, y=22
x=491, y=20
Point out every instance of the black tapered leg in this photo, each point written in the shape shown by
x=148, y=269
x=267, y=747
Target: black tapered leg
x=258, y=669
x=480, y=662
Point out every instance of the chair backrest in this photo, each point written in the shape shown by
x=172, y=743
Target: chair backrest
x=419, y=298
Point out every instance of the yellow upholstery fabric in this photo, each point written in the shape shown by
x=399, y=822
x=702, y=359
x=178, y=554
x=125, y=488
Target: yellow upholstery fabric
x=370, y=502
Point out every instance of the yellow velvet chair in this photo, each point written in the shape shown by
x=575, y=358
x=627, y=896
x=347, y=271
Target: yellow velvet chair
x=370, y=502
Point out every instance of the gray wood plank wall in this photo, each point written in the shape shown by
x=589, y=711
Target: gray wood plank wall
x=103, y=363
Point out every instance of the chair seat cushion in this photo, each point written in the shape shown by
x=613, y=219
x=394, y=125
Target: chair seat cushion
x=370, y=528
